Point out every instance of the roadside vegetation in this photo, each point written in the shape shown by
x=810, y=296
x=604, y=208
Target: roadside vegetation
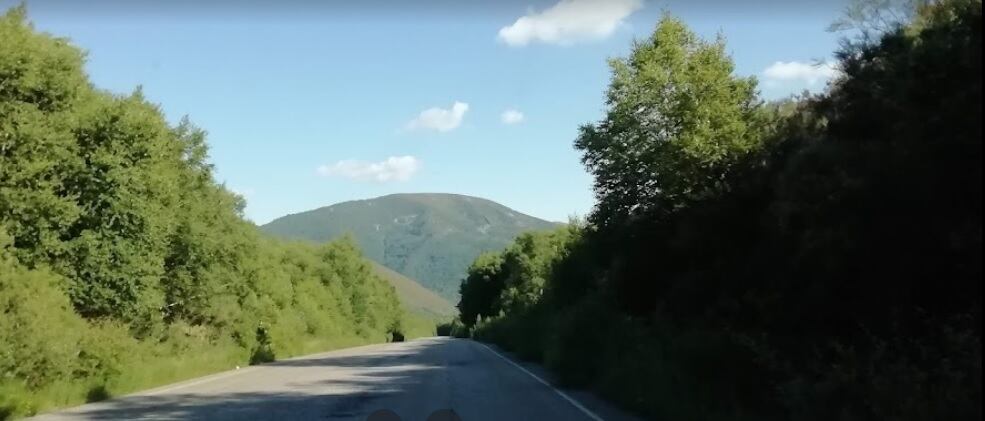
x=817, y=258
x=124, y=265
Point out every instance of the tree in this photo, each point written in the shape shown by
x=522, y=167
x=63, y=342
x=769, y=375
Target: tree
x=826, y=267
x=119, y=251
x=481, y=288
x=677, y=120
x=41, y=83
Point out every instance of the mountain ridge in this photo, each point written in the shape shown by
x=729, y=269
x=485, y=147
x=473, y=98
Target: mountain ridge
x=428, y=237
x=420, y=194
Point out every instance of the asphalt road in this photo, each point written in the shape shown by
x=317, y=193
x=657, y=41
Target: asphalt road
x=413, y=379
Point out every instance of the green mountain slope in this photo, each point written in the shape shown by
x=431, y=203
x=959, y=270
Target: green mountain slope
x=429, y=237
x=416, y=298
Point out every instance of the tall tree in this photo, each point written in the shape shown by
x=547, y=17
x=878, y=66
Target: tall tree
x=677, y=119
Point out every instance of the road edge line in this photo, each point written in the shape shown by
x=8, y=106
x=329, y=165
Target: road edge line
x=570, y=400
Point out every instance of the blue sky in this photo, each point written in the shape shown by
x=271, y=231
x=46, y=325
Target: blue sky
x=309, y=104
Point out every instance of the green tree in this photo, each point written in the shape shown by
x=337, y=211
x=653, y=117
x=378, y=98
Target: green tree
x=41, y=83
x=677, y=119
x=123, y=264
x=528, y=264
x=481, y=289
x=831, y=270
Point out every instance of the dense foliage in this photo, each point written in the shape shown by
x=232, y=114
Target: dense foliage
x=813, y=259
x=428, y=237
x=123, y=264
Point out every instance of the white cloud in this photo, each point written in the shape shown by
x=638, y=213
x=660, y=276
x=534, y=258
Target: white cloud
x=440, y=119
x=797, y=71
x=394, y=168
x=569, y=21
x=511, y=116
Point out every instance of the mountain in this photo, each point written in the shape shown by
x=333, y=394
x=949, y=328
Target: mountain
x=415, y=297
x=429, y=237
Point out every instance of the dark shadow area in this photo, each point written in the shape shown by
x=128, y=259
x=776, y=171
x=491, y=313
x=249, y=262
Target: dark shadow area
x=356, y=360
x=5, y=412
x=444, y=415
x=384, y=415
x=364, y=381
x=97, y=393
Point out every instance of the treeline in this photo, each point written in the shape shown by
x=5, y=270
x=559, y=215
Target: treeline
x=124, y=265
x=812, y=259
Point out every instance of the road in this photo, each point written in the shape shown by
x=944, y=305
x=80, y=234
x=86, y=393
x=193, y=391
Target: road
x=413, y=379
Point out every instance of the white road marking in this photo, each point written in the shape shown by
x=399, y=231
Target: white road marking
x=570, y=400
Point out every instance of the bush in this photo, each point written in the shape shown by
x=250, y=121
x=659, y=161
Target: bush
x=39, y=333
x=453, y=328
x=264, y=351
x=578, y=339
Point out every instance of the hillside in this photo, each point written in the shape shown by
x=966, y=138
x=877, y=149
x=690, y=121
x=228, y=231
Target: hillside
x=429, y=237
x=416, y=298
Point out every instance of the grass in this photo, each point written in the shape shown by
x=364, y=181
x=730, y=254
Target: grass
x=417, y=326
x=416, y=298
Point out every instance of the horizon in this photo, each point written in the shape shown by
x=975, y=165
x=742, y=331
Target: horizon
x=376, y=99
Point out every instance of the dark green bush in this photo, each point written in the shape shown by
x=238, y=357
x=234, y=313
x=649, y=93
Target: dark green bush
x=813, y=259
x=444, y=329
x=453, y=328
x=264, y=351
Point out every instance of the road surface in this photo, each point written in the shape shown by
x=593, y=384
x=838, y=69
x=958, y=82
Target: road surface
x=413, y=379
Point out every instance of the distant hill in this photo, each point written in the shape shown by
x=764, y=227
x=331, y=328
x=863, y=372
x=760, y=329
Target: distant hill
x=415, y=297
x=428, y=237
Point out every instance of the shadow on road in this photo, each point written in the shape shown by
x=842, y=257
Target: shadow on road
x=364, y=380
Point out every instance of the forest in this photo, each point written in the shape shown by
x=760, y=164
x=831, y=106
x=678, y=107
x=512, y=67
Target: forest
x=816, y=258
x=124, y=265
